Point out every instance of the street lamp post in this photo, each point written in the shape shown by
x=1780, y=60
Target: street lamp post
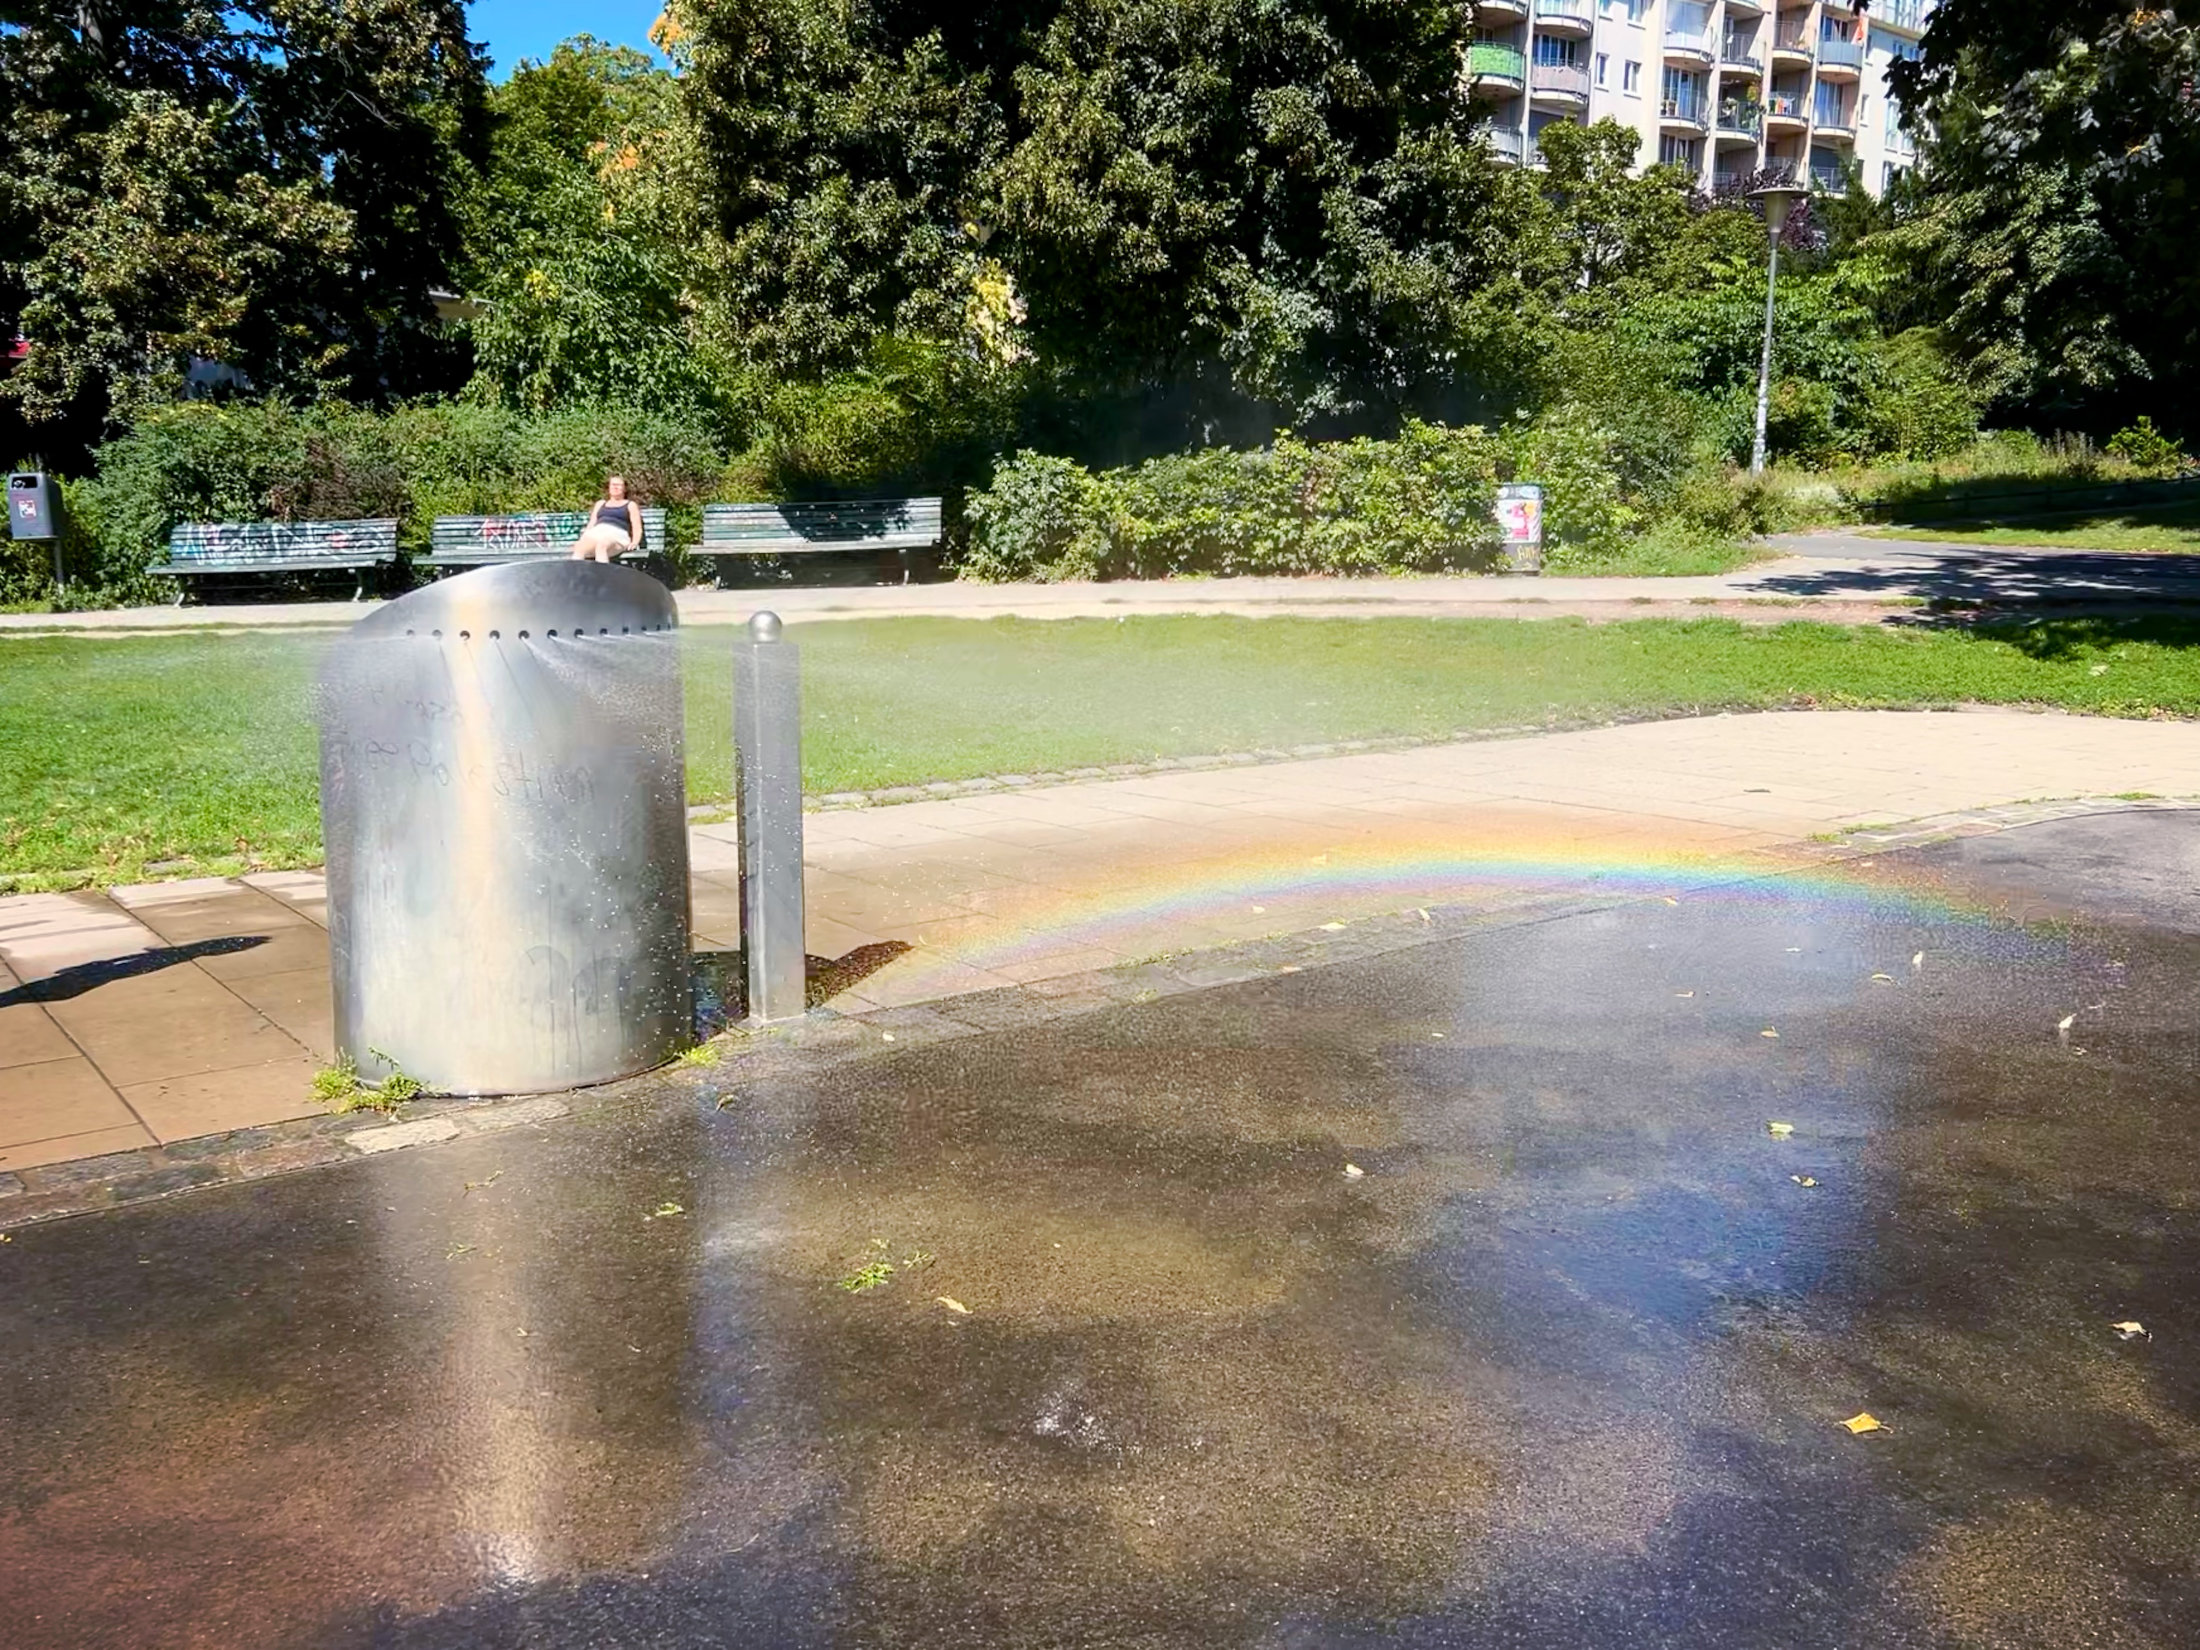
x=1778, y=198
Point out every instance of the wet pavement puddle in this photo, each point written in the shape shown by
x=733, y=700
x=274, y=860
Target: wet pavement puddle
x=1084, y=1334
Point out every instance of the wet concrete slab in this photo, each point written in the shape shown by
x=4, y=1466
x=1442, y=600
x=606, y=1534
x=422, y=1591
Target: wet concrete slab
x=1147, y=1363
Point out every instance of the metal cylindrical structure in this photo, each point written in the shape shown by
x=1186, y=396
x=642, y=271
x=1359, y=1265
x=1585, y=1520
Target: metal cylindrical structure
x=767, y=755
x=504, y=809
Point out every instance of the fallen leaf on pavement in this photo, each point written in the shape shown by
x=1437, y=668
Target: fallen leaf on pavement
x=1352, y=1171
x=1684, y=993
x=1768, y=1032
x=2063, y=1025
x=2131, y=1330
x=1802, y=1180
x=1863, y=1422
x=1670, y=900
x=887, y=1035
x=1332, y=927
x=1260, y=910
x=1918, y=961
x=665, y=1211
x=1423, y=915
x=1887, y=978
x=953, y=1305
x=1780, y=1131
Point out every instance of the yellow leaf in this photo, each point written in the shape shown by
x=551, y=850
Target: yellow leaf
x=1332, y=927
x=1768, y=1032
x=1780, y=1131
x=953, y=1305
x=1918, y=961
x=1885, y=978
x=1684, y=993
x=1863, y=1422
x=1670, y=900
x=1352, y=1171
x=2131, y=1330
x=1802, y=1180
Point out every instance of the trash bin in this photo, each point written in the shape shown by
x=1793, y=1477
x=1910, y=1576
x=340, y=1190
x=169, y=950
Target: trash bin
x=504, y=809
x=32, y=513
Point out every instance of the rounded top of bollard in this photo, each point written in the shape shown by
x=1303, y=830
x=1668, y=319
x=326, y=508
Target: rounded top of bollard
x=764, y=627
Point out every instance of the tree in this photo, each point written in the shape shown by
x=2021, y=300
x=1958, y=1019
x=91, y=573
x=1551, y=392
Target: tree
x=265, y=185
x=585, y=241
x=2062, y=209
x=1266, y=203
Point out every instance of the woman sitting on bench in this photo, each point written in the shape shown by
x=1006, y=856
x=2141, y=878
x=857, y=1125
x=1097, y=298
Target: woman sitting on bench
x=614, y=525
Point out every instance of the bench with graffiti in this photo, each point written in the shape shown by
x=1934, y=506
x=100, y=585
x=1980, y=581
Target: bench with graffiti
x=277, y=550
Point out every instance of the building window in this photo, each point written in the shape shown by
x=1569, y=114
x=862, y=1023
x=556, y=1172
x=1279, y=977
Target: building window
x=1604, y=62
x=1680, y=151
x=1630, y=79
x=1551, y=51
x=1637, y=10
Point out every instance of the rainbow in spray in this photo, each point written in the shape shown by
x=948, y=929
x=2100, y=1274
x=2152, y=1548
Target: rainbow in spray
x=1163, y=904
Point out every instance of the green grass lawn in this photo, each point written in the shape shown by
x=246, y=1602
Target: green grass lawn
x=2164, y=527
x=198, y=749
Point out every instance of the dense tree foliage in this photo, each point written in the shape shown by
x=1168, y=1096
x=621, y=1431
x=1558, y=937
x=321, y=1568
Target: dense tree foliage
x=268, y=184
x=2060, y=229
x=858, y=245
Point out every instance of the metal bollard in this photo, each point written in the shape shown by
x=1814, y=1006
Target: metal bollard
x=767, y=756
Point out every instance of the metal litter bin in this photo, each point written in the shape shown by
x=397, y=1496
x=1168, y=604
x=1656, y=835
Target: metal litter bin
x=504, y=808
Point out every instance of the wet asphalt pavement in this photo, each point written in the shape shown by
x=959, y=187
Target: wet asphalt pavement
x=1563, y=1367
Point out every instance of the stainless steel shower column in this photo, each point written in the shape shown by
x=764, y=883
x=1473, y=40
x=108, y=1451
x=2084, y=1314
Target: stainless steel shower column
x=767, y=752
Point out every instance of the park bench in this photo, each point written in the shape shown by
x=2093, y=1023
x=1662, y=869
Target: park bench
x=269, y=549
x=484, y=541
x=901, y=525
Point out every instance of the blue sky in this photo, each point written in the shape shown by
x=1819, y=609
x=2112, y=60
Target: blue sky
x=513, y=29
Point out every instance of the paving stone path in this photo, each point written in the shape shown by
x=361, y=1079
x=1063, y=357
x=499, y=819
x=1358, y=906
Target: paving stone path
x=146, y=1016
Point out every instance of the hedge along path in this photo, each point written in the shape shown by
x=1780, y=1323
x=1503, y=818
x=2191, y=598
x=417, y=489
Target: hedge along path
x=190, y=754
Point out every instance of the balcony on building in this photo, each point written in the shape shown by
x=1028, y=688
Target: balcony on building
x=1688, y=46
x=1497, y=70
x=1504, y=142
x=1501, y=11
x=1904, y=16
x=1738, y=58
x=1751, y=9
x=1682, y=114
x=1740, y=120
x=1785, y=112
x=1791, y=41
x=1839, y=59
x=1565, y=17
x=1833, y=122
x=1561, y=83
x=1828, y=178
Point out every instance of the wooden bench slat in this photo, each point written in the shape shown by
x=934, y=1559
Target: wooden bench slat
x=837, y=525
x=278, y=546
x=476, y=541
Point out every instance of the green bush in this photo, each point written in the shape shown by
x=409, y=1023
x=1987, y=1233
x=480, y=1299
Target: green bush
x=2143, y=447
x=199, y=461
x=1915, y=402
x=1422, y=503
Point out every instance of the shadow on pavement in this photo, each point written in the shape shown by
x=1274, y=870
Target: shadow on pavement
x=1984, y=574
x=75, y=981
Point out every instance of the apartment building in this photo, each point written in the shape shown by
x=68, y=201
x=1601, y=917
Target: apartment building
x=1726, y=88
